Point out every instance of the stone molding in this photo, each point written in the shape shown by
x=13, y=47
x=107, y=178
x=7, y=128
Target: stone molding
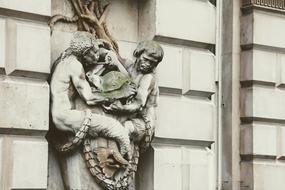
x=278, y=5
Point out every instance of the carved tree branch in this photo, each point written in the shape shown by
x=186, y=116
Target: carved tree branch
x=90, y=16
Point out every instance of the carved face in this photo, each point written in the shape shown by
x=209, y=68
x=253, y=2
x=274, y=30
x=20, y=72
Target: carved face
x=146, y=63
x=91, y=56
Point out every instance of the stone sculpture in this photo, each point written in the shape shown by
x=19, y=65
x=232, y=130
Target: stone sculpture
x=102, y=106
x=89, y=70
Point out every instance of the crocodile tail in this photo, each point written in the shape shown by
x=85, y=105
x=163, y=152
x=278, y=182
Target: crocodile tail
x=130, y=171
x=94, y=167
x=76, y=141
x=111, y=128
x=95, y=170
x=78, y=138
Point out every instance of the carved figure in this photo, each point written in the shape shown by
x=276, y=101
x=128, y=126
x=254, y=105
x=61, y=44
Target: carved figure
x=68, y=79
x=90, y=70
x=141, y=123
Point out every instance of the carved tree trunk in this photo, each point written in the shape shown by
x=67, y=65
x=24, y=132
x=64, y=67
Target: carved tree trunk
x=90, y=16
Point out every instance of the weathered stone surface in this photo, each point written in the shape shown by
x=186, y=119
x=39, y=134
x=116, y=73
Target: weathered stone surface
x=77, y=173
x=246, y=29
x=182, y=168
x=262, y=174
x=259, y=27
x=41, y=7
x=258, y=140
x=171, y=18
x=82, y=58
x=198, y=72
x=194, y=119
x=55, y=181
x=127, y=49
x=281, y=70
x=147, y=19
x=2, y=43
x=28, y=49
x=172, y=61
x=61, y=7
x=263, y=102
x=281, y=142
x=193, y=116
x=24, y=104
x=259, y=65
x=126, y=11
x=59, y=42
x=30, y=163
x=1, y=154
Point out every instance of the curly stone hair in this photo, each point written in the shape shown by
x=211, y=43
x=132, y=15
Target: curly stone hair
x=152, y=48
x=82, y=42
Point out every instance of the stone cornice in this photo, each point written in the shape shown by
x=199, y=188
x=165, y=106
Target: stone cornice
x=277, y=5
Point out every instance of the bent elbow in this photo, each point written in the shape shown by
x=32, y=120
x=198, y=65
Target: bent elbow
x=90, y=103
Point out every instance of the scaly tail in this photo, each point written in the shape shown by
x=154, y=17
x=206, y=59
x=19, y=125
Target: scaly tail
x=111, y=128
x=94, y=167
x=110, y=184
x=79, y=136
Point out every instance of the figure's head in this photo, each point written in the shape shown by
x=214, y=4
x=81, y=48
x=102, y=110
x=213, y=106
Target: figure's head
x=148, y=55
x=86, y=47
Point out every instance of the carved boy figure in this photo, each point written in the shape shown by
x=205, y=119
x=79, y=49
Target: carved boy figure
x=68, y=80
x=148, y=55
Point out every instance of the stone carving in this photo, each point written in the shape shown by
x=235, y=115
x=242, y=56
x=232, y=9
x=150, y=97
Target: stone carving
x=270, y=4
x=89, y=15
x=104, y=108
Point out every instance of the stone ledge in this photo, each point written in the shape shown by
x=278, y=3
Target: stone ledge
x=270, y=5
x=23, y=15
x=162, y=141
x=41, y=7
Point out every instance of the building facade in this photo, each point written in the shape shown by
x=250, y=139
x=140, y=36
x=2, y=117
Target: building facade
x=220, y=115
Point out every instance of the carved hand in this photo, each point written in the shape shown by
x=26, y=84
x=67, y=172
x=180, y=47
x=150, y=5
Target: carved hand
x=129, y=89
x=116, y=106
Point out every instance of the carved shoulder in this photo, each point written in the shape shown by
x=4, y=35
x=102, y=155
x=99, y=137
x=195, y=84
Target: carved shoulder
x=76, y=67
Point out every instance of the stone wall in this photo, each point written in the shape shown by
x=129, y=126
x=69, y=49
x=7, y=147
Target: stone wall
x=183, y=149
x=24, y=93
x=181, y=157
x=262, y=97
